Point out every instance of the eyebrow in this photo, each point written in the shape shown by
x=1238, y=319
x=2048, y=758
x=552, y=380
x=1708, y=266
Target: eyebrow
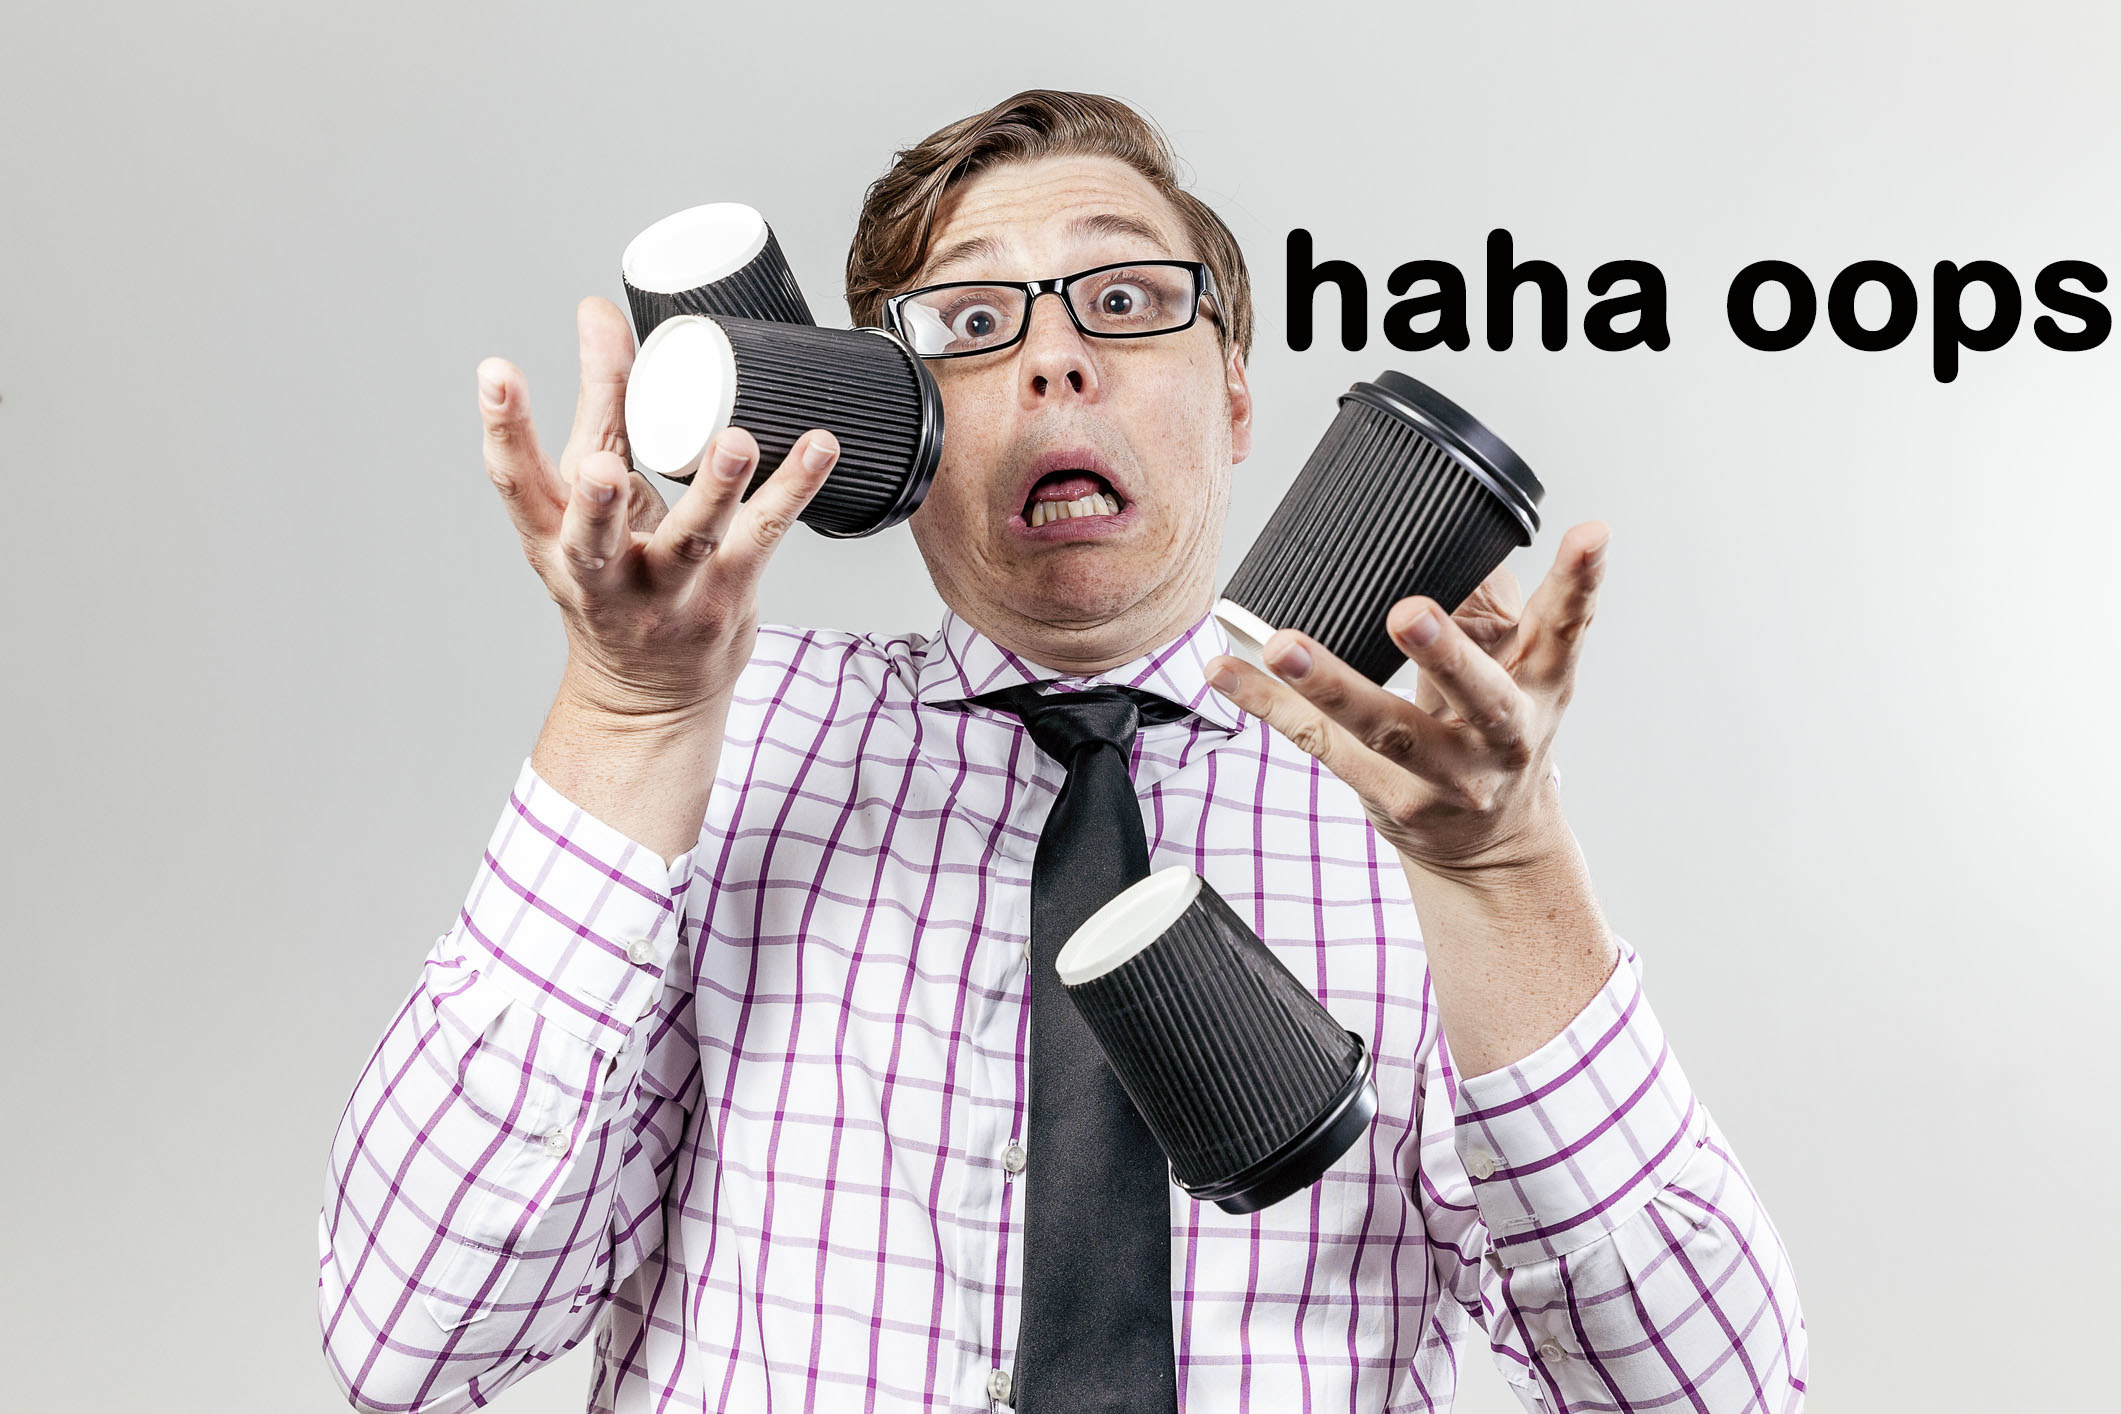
x=963, y=253
x=1092, y=224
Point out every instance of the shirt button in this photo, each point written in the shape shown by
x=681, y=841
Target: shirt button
x=641, y=951
x=998, y=1385
x=556, y=1140
x=1027, y=950
x=1551, y=1350
x=1480, y=1164
x=1013, y=1159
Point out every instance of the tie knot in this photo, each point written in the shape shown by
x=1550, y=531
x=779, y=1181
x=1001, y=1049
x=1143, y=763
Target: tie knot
x=1064, y=723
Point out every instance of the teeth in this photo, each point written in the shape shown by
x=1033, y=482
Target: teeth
x=1097, y=504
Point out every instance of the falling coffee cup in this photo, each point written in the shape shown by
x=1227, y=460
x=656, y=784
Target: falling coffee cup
x=1407, y=493
x=696, y=375
x=721, y=258
x=1246, y=1080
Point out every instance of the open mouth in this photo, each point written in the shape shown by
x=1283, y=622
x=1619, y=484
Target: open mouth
x=1068, y=494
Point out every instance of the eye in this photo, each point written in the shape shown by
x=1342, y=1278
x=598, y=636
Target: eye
x=963, y=318
x=1133, y=299
x=1123, y=301
x=975, y=323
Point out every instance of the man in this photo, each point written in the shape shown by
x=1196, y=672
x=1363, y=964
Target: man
x=727, y=1056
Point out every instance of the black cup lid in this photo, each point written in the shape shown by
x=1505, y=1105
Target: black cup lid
x=1304, y=1159
x=1480, y=451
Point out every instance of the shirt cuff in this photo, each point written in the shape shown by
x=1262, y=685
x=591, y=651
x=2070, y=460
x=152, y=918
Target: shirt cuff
x=1569, y=1143
x=573, y=917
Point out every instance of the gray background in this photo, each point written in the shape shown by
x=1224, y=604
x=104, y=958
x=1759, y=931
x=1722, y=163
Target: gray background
x=273, y=657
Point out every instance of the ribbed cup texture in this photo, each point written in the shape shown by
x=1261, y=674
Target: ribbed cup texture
x=764, y=289
x=1224, y=1052
x=1379, y=512
x=863, y=388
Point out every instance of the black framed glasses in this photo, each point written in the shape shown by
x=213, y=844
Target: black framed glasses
x=1130, y=299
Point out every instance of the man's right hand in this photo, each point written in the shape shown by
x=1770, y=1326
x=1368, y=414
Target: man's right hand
x=660, y=607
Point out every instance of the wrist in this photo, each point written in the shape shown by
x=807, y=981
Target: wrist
x=1515, y=946
x=1526, y=860
x=1533, y=890
x=646, y=773
x=592, y=702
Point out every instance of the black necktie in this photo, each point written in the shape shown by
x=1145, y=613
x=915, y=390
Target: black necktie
x=1095, y=1336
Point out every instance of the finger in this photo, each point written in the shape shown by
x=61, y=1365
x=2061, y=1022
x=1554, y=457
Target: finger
x=515, y=463
x=1498, y=596
x=648, y=506
x=1474, y=685
x=1554, y=623
x=594, y=536
x=1312, y=730
x=1382, y=721
x=1489, y=617
x=770, y=513
x=606, y=354
x=697, y=525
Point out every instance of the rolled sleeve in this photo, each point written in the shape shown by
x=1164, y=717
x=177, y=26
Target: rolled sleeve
x=575, y=918
x=1567, y=1144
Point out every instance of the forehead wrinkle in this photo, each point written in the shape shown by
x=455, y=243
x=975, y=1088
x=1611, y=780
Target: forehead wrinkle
x=1089, y=226
x=1119, y=223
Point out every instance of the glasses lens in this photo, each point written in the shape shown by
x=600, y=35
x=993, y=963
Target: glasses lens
x=1134, y=299
x=961, y=318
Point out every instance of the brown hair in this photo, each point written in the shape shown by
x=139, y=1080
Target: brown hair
x=891, y=236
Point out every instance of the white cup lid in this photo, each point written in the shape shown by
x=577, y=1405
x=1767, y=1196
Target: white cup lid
x=1123, y=928
x=1248, y=633
x=681, y=392
x=694, y=247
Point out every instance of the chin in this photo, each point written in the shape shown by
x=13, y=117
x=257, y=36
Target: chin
x=1085, y=601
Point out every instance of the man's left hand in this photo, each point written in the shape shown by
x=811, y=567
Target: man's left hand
x=1457, y=779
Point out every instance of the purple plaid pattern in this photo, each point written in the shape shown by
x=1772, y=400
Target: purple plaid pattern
x=744, y=1115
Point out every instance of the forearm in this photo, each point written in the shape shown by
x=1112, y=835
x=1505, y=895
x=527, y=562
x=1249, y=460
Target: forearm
x=648, y=776
x=521, y=1109
x=1584, y=1203
x=1692, y=1295
x=1516, y=949
x=467, y=1223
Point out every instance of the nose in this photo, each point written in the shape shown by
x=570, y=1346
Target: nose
x=1054, y=355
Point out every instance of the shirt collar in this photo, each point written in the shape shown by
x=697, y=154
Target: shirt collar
x=961, y=662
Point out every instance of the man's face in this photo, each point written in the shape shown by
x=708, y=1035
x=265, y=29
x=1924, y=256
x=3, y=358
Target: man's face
x=1152, y=424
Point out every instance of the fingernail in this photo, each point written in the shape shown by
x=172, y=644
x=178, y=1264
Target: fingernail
x=1223, y=681
x=491, y=390
x=1596, y=554
x=1423, y=630
x=726, y=462
x=598, y=491
x=1292, y=662
x=818, y=455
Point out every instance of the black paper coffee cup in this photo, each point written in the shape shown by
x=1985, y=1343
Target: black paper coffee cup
x=1406, y=494
x=721, y=258
x=1243, y=1076
x=696, y=375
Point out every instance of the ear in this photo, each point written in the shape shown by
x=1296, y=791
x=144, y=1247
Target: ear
x=1240, y=406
